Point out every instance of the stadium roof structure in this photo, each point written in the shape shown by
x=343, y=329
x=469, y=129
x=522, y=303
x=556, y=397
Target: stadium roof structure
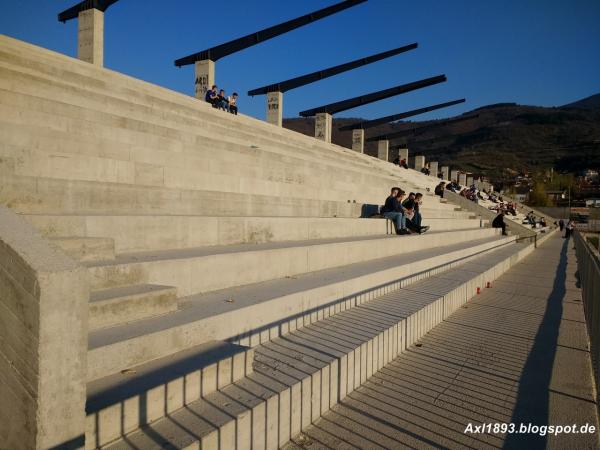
x=219, y=51
x=344, y=105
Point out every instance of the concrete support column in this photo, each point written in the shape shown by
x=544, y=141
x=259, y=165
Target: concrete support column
x=403, y=154
x=469, y=181
x=454, y=175
x=462, y=179
x=205, y=77
x=383, y=149
x=323, y=123
x=275, y=108
x=419, y=163
x=433, y=169
x=90, y=39
x=358, y=140
x=445, y=172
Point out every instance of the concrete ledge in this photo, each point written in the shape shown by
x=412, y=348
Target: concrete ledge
x=43, y=340
x=299, y=377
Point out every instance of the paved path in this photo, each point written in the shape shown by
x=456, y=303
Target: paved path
x=517, y=353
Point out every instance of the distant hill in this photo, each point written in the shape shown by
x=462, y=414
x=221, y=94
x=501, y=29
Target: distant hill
x=505, y=139
x=591, y=102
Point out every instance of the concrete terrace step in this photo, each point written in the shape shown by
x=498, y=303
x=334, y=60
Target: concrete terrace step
x=123, y=402
x=133, y=90
x=162, y=232
x=86, y=248
x=300, y=376
x=150, y=122
x=77, y=121
x=195, y=107
x=255, y=313
x=235, y=265
x=37, y=195
x=109, y=307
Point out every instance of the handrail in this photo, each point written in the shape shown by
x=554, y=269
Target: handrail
x=588, y=270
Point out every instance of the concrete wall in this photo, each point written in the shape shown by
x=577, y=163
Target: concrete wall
x=43, y=341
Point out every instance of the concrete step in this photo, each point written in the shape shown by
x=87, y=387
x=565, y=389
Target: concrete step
x=299, y=377
x=59, y=117
x=135, y=91
x=125, y=401
x=193, y=107
x=113, y=126
x=86, y=248
x=161, y=232
x=236, y=265
x=256, y=313
x=37, y=195
x=116, y=306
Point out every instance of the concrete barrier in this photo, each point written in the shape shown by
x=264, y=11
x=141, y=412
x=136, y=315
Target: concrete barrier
x=43, y=341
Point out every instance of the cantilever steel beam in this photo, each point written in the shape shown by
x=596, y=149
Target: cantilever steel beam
x=74, y=11
x=215, y=53
x=343, y=105
x=417, y=130
x=284, y=86
x=415, y=112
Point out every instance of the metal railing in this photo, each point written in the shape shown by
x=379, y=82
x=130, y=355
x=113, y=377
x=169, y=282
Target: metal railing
x=588, y=269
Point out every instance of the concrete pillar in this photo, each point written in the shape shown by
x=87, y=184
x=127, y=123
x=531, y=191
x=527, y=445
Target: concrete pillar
x=275, y=108
x=323, y=122
x=403, y=154
x=469, y=181
x=454, y=175
x=433, y=169
x=462, y=179
x=383, y=148
x=90, y=39
x=445, y=172
x=205, y=77
x=358, y=140
x=419, y=163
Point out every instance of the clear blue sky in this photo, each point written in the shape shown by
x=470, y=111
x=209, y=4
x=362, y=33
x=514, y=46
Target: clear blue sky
x=536, y=52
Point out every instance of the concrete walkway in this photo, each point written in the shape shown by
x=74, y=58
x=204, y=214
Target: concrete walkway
x=517, y=353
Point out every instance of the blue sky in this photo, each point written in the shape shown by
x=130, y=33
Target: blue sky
x=536, y=52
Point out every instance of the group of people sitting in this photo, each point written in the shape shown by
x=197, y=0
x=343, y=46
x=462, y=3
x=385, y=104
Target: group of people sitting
x=404, y=213
x=532, y=220
x=219, y=100
x=400, y=162
x=507, y=208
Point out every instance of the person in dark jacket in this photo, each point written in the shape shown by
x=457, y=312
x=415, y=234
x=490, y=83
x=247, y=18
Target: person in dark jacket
x=439, y=189
x=393, y=211
x=411, y=214
x=498, y=222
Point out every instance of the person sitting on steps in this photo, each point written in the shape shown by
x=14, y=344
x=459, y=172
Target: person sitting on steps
x=233, y=109
x=439, y=189
x=212, y=96
x=222, y=101
x=411, y=214
x=498, y=222
x=392, y=210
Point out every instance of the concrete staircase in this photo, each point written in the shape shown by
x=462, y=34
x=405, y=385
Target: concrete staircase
x=236, y=295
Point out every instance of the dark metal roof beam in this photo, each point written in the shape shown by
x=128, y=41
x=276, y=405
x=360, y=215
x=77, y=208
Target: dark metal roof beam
x=215, y=53
x=293, y=83
x=423, y=128
x=343, y=105
x=415, y=112
x=73, y=12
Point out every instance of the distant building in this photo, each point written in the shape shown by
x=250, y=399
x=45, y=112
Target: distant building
x=522, y=193
x=555, y=196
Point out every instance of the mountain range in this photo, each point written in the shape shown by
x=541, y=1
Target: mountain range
x=497, y=141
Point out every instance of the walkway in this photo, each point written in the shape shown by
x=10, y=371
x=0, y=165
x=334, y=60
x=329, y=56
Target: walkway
x=517, y=353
